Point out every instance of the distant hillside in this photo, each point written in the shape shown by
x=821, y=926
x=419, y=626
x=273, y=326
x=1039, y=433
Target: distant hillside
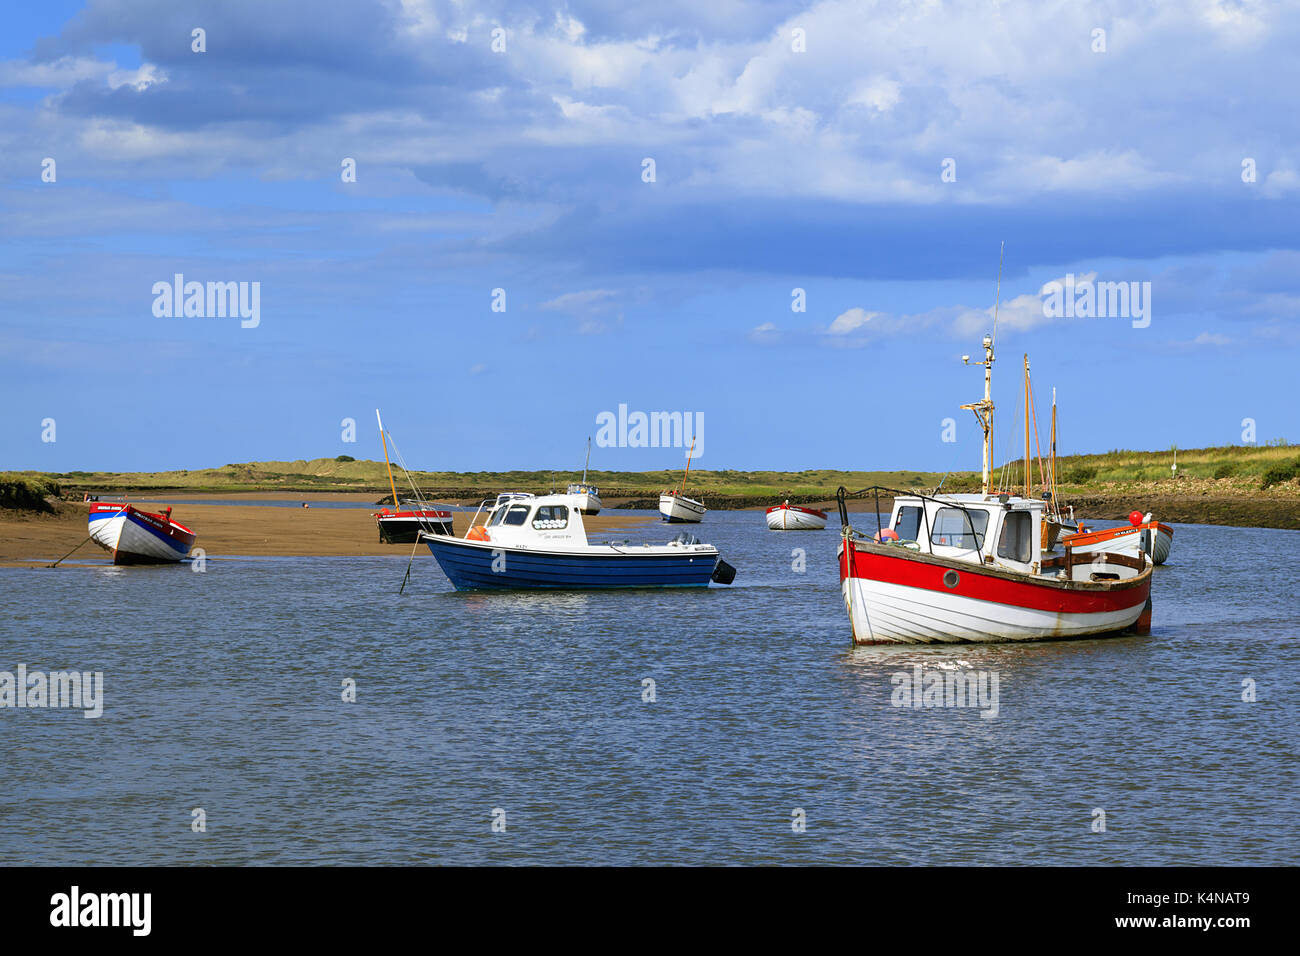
x=1237, y=470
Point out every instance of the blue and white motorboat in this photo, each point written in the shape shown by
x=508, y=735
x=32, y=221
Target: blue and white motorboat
x=541, y=542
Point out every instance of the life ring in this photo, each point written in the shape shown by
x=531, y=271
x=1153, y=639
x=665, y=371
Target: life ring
x=477, y=533
x=886, y=534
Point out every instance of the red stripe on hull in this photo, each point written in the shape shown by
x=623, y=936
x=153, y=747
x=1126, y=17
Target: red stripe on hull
x=1039, y=595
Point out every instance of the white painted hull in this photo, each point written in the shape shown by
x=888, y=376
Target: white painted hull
x=681, y=509
x=792, y=519
x=1156, y=542
x=588, y=503
x=883, y=613
x=118, y=534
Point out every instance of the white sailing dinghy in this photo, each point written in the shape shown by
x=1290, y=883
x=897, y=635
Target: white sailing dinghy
x=588, y=496
x=675, y=506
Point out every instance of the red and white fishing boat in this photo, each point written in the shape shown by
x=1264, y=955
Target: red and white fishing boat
x=788, y=517
x=1141, y=535
x=971, y=568
x=139, y=537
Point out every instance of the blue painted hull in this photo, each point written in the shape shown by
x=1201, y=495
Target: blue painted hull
x=469, y=565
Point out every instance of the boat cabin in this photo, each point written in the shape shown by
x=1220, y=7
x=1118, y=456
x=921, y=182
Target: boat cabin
x=521, y=519
x=996, y=530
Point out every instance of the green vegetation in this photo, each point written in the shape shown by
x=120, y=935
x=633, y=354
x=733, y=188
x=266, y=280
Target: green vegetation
x=1239, y=470
x=1280, y=473
x=28, y=493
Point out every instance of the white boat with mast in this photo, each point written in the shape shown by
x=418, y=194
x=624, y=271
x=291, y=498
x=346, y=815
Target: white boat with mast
x=971, y=567
x=675, y=506
x=588, y=496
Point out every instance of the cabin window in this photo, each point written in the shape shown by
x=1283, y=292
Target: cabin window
x=516, y=515
x=1014, y=541
x=908, y=524
x=551, y=517
x=496, y=517
x=952, y=528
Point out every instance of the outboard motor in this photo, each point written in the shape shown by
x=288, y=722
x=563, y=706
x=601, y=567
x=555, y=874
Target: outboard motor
x=724, y=573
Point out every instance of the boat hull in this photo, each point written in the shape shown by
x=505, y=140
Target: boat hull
x=792, y=518
x=405, y=526
x=904, y=598
x=471, y=564
x=1151, y=538
x=678, y=509
x=138, y=537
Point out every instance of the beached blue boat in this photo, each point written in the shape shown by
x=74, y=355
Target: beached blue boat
x=541, y=542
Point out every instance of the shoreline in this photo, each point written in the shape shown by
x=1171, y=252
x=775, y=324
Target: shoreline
x=31, y=539
x=227, y=529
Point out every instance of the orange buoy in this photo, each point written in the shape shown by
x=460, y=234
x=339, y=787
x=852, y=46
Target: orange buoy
x=478, y=533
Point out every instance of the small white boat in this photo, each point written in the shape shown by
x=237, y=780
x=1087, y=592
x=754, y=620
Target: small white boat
x=588, y=496
x=788, y=517
x=676, y=507
x=1141, y=535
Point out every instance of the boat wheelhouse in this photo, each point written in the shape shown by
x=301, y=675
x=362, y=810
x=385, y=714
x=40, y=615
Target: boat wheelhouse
x=541, y=542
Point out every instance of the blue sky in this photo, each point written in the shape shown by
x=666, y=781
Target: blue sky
x=521, y=169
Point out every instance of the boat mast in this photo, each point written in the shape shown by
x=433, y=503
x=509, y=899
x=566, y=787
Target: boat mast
x=1051, y=467
x=682, y=490
x=1028, y=492
x=587, y=462
x=984, y=410
x=382, y=438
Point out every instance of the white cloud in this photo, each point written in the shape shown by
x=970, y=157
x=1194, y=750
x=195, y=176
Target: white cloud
x=850, y=321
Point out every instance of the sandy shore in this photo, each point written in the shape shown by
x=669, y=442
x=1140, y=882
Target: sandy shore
x=223, y=530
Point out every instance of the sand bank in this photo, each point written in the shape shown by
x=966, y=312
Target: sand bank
x=227, y=529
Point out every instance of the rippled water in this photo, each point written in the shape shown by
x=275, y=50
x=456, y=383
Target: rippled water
x=223, y=691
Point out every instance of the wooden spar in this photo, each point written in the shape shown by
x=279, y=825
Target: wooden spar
x=1051, y=468
x=682, y=489
x=1028, y=492
x=391, y=484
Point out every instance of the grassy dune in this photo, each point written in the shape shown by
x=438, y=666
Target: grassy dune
x=1229, y=471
